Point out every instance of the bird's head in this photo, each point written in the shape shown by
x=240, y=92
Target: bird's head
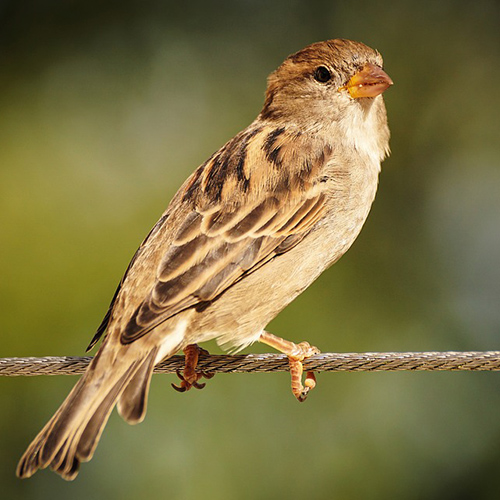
x=334, y=84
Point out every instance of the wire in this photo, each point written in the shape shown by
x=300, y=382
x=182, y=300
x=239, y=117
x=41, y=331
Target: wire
x=332, y=362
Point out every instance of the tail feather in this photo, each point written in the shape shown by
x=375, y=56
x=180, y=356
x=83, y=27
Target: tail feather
x=91, y=434
x=82, y=441
x=68, y=468
x=133, y=401
x=72, y=434
x=64, y=464
x=44, y=447
x=61, y=424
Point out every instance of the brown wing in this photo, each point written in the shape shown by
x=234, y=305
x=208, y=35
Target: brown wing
x=213, y=251
x=252, y=200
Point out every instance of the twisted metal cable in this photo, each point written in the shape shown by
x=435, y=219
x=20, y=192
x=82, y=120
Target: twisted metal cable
x=332, y=362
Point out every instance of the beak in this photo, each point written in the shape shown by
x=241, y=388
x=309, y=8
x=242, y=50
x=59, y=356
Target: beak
x=371, y=81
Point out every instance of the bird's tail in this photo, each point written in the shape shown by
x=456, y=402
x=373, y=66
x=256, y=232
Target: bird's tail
x=72, y=434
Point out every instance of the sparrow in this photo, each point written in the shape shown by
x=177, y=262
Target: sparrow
x=245, y=234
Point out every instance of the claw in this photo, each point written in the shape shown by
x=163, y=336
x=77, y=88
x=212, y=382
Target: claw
x=296, y=354
x=179, y=388
x=183, y=387
x=309, y=385
x=189, y=377
x=302, y=351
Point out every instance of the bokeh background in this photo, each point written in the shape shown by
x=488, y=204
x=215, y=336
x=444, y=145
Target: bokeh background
x=106, y=107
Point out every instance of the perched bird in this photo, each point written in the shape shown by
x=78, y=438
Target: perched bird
x=247, y=232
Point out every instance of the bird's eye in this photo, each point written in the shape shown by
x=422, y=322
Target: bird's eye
x=322, y=75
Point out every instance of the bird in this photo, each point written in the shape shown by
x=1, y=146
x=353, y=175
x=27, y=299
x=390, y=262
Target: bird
x=246, y=233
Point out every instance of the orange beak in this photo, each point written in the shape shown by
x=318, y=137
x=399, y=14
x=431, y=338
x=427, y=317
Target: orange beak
x=371, y=81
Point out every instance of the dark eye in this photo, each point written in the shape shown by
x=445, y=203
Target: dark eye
x=322, y=74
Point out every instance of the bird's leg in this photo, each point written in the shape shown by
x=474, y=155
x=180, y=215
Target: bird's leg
x=296, y=354
x=189, y=377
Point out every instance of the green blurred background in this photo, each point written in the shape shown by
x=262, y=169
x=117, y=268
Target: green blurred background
x=106, y=107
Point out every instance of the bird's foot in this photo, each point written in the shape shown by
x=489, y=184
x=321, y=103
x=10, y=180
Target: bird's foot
x=296, y=354
x=189, y=376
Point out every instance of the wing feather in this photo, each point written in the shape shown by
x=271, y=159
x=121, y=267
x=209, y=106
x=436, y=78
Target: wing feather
x=218, y=240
